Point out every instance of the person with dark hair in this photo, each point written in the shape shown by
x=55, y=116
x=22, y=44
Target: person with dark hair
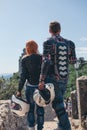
x=58, y=52
x=31, y=67
x=54, y=27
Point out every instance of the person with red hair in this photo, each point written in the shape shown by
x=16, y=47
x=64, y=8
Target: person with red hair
x=31, y=67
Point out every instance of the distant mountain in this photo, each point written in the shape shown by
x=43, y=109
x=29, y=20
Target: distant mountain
x=6, y=75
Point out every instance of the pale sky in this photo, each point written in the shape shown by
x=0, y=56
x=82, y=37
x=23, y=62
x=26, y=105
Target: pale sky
x=22, y=20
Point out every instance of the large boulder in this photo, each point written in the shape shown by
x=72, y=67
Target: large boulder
x=9, y=120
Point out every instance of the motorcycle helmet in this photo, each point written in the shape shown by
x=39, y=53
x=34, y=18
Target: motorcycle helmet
x=45, y=96
x=19, y=106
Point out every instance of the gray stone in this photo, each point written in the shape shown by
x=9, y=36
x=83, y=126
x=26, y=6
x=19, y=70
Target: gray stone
x=74, y=104
x=10, y=121
x=49, y=113
x=82, y=100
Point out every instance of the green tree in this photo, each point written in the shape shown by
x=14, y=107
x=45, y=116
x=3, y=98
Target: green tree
x=11, y=87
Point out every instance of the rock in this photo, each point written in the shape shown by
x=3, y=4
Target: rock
x=82, y=100
x=74, y=104
x=10, y=121
x=49, y=113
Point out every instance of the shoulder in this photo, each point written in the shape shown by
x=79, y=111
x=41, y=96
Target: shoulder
x=69, y=42
x=48, y=41
x=39, y=56
x=34, y=57
x=25, y=57
x=64, y=39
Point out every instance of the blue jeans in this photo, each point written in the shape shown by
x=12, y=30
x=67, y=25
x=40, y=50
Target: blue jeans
x=39, y=110
x=58, y=102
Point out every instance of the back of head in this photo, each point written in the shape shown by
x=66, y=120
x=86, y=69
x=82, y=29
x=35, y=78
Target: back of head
x=54, y=27
x=31, y=47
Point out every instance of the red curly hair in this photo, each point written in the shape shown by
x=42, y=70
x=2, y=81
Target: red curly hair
x=31, y=47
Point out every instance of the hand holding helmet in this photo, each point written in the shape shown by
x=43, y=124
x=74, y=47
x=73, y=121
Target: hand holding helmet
x=41, y=85
x=19, y=106
x=45, y=96
x=18, y=94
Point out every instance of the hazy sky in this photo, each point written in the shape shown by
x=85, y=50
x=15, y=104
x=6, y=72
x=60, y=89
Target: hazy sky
x=22, y=20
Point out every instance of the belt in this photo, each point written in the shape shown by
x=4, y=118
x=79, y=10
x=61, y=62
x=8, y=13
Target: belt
x=32, y=85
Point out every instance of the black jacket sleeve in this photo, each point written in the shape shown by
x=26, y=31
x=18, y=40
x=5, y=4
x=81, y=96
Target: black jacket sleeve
x=23, y=75
x=72, y=53
x=46, y=60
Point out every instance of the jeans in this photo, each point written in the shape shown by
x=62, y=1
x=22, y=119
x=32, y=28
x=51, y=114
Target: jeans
x=58, y=102
x=39, y=110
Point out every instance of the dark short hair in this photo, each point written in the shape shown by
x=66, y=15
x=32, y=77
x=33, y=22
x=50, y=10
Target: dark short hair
x=54, y=27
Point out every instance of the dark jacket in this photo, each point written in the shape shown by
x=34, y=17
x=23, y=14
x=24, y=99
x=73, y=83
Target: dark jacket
x=57, y=54
x=30, y=70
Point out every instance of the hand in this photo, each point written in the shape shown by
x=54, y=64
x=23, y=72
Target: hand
x=41, y=85
x=18, y=94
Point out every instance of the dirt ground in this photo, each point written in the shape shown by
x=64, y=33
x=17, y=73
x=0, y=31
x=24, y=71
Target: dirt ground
x=52, y=125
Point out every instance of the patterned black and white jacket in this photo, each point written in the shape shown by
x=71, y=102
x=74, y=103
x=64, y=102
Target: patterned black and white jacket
x=58, y=53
